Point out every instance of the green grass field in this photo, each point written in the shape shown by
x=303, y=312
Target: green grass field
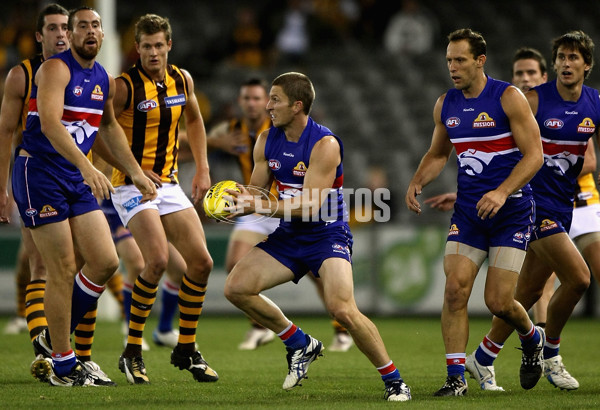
x=336, y=381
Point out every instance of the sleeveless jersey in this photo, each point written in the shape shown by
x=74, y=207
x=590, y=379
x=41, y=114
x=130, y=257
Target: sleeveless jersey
x=566, y=127
x=84, y=99
x=151, y=121
x=586, y=192
x=485, y=148
x=30, y=67
x=289, y=161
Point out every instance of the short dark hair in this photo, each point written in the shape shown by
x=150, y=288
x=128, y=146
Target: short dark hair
x=529, y=53
x=76, y=10
x=477, y=44
x=256, y=81
x=49, y=10
x=152, y=24
x=579, y=41
x=297, y=87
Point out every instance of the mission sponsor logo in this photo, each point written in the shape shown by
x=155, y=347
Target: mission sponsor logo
x=553, y=124
x=175, y=100
x=586, y=126
x=483, y=120
x=97, y=94
x=452, y=122
x=299, y=170
x=547, y=225
x=147, y=105
x=48, y=211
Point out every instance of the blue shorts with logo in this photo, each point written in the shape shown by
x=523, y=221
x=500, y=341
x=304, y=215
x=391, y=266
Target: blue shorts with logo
x=44, y=196
x=511, y=227
x=551, y=221
x=302, y=252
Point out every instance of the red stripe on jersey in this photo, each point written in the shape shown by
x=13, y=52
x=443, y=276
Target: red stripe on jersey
x=553, y=149
x=498, y=145
x=33, y=104
x=339, y=181
x=91, y=118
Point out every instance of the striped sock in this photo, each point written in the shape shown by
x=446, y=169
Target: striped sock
x=455, y=364
x=142, y=300
x=84, y=334
x=85, y=295
x=191, y=299
x=63, y=363
x=293, y=337
x=388, y=372
x=551, y=347
x=34, y=310
x=487, y=351
x=169, y=295
x=532, y=337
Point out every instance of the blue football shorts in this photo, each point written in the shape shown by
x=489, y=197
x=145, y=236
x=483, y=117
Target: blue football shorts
x=43, y=196
x=302, y=252
x=551, y=221
x=511, y=227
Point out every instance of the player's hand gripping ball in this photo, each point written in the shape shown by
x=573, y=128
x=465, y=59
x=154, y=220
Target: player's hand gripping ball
x=214, y=203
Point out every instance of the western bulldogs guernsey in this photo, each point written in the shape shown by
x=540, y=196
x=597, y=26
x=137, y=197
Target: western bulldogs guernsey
x=485, y=148
x=566, y=127
x=288, y=161
x=83, y=107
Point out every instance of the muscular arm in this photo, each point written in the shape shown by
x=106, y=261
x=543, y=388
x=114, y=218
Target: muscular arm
x=526, y=134
x=12, y=106
x=433, y=161
x=196, y=134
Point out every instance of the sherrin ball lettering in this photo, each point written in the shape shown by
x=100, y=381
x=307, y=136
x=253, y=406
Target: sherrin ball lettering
x=214, y=203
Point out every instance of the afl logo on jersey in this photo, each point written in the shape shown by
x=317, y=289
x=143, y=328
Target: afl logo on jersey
x=452, y=122
x=274, y=164
x=553, y=123
x=78, y=91
x=147, y=105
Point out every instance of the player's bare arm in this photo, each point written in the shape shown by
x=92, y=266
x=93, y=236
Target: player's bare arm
x=10, y=114
x=197, y=139
x=433, y=161
x=526, y=134
x=52, y=79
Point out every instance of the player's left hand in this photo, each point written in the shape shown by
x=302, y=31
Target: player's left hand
x=243, y=203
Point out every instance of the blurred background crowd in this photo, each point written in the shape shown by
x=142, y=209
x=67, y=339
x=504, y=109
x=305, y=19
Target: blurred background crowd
x=378, y=66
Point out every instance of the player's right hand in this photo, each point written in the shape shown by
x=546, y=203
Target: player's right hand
x=442, y=202
x=98, y=182
x=146, y=186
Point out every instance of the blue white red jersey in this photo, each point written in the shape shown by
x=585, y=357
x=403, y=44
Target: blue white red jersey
x=289, y=161
x=566, y=127
x=84, y=99
x=485, y=148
